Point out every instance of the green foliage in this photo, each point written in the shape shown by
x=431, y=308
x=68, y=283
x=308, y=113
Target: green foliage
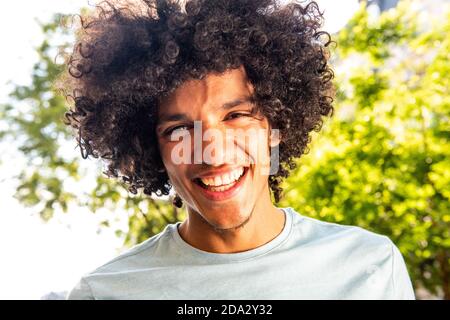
x=33, y=123
x=383, y=162
x=374, y=37
x=33, y=119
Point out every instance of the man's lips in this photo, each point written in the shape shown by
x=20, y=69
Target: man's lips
x=216, y=172
x=214, y=193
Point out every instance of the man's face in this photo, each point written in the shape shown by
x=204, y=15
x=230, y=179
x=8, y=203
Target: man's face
x=233, y=146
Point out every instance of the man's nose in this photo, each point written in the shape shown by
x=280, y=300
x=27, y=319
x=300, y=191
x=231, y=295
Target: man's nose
x=212, y=145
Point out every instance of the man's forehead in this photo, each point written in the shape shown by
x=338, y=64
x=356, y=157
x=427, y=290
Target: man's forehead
x=213, y=88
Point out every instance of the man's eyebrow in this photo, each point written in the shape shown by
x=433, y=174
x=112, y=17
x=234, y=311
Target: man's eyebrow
x=236, y=102
x=181, y=116
x=172, y=117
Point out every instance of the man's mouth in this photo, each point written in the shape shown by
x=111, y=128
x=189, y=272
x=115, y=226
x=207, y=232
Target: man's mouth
x=222, y=186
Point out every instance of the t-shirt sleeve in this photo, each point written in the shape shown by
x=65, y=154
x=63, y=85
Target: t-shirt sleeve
x=403, y=289
x=81, y=291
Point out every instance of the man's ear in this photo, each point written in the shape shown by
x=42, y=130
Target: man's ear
x=274, y=137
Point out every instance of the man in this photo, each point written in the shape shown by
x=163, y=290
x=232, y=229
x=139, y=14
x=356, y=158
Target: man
x=200, y=98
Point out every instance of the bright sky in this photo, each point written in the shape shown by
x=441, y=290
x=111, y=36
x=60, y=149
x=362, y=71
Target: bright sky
x=35, y=257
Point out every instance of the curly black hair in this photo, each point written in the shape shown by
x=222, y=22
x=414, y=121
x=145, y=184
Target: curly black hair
x=129, y=55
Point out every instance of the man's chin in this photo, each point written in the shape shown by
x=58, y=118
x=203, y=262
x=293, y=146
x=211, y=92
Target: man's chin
x=230, y=226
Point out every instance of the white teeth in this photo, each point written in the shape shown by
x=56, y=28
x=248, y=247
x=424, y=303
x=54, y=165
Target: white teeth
x=224, y=179
x=208, y=181
x=237, y=173
x=221, y=188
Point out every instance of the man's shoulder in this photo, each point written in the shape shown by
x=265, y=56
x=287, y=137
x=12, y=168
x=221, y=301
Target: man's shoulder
x=139, y=255
x=365, y=253
x=314, y=230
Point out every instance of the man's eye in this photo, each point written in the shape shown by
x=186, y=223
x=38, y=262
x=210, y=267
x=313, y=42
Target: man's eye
x=237, y=115
x=177, y=128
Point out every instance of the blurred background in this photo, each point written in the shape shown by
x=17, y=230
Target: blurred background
x=382, y=162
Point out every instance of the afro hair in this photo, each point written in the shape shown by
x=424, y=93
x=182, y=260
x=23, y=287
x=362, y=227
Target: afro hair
x=128, y=55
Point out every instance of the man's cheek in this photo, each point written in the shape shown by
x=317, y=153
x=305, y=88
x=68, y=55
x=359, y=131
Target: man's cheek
x=166, y=156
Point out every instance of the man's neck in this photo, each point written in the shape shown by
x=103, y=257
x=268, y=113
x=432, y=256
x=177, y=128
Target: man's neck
x=265, y=223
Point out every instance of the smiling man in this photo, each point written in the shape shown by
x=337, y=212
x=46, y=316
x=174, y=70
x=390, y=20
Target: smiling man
x=229, y=190
x=203, y=98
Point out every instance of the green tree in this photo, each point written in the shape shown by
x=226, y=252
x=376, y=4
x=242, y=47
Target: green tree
x=383, y=162
x=33, y=120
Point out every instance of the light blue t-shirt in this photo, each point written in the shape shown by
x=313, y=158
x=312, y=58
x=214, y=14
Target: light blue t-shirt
x=309, y=259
